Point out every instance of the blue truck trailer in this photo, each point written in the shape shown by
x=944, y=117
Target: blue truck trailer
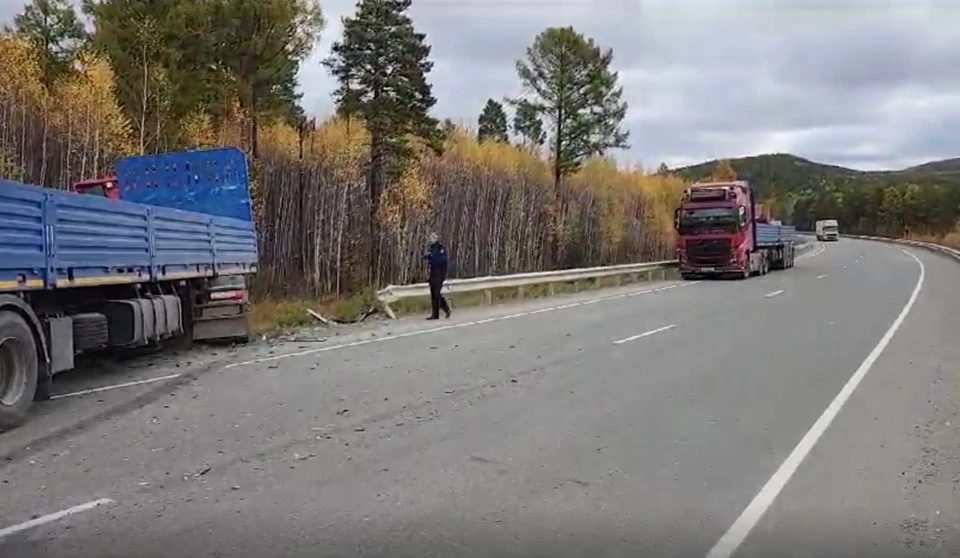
x=83, y=273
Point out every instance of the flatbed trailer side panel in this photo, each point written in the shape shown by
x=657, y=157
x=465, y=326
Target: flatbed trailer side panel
x=778, y=242
x=22, y=250
x=95, y=241
x=770, y=235
x=53, y=239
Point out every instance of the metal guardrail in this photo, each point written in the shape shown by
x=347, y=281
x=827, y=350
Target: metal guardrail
x=652, y=270
x=945, y=250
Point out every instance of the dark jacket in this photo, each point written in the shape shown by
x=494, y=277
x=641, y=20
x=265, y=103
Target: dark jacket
x=436, y=258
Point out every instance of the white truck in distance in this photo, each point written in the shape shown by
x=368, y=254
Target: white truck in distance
x=828, y=229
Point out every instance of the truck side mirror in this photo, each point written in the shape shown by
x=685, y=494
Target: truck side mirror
x=742, y=216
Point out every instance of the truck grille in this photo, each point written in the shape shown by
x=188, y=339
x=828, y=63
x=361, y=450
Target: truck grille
x=709, y=252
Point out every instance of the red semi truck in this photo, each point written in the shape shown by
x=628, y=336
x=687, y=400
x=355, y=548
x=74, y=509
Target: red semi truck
x=105, y=187
x=722, y=231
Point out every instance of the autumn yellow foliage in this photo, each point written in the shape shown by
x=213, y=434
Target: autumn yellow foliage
x=724, y=172
x=494, y=204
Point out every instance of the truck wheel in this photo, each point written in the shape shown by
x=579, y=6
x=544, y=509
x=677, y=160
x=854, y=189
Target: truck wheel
x=18, y=370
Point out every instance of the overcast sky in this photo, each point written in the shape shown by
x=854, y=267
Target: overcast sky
x=870, y=85
x=866, y=84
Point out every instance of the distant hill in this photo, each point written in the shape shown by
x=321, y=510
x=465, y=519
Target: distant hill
x=936, y=167
x=924, y=199
x=782, y=174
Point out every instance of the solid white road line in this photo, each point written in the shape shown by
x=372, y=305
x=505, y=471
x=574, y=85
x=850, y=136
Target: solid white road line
x=821, y=247
x=773, y=294
x=116, y=386
x=821, y=276
x=50, y=518
x=738, y=532
x=644, y=334
x=457, y=326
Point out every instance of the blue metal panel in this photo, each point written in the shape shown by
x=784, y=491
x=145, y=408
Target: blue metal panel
x=235, y=242
x=774, y=235
x=182, y=243
x=22, y=250
x=95, y=238
x=210, y=181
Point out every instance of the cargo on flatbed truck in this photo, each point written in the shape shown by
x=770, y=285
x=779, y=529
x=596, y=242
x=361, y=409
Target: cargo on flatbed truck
x=722, y=231
x=165, y=255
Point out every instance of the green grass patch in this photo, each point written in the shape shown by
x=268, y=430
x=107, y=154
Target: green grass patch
x=271, y=316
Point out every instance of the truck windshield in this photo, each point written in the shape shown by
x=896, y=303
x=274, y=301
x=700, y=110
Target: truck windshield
x=98, y=190
x=711, y=217
x=830, y=228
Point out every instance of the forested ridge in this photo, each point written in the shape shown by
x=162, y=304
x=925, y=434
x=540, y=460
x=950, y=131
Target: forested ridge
x=346, y=202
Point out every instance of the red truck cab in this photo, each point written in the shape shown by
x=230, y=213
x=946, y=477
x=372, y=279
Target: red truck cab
x=105, y=187
x=715, y=228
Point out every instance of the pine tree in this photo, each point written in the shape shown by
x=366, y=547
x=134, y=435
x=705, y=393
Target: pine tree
x=262, y=43
x=55, y=30
x=569, y=82
x=528, y=125
x=381, y=65
x=492, y=123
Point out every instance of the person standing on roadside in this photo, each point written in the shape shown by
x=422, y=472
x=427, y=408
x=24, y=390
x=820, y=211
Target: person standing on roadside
x=436, y=257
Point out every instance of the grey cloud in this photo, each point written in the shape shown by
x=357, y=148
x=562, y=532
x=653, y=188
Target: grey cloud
x=706, y=80
x=863, y=82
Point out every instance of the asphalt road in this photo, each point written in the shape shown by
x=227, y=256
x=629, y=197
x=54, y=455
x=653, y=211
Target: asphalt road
x=777, y=416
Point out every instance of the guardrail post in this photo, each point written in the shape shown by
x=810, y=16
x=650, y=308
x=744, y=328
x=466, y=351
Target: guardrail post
x=521, y=291
x=550, y=289
x=488, y=296
x=389, y=311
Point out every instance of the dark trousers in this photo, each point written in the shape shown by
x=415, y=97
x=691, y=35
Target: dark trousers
x=437, y=302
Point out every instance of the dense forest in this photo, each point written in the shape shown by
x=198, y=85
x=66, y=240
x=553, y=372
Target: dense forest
x=348, y=201
x=921, y=201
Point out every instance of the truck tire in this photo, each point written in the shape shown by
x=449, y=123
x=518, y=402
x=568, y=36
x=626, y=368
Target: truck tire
x=18, y=370
x=90, y=331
